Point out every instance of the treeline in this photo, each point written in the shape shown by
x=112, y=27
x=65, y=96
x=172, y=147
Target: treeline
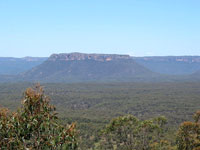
x=35, y=125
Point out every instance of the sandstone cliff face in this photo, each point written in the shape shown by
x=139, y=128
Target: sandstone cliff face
x=82, y=56
x=78, y=67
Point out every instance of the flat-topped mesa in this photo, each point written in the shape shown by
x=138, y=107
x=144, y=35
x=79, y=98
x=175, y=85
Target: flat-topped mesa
x=82, y=56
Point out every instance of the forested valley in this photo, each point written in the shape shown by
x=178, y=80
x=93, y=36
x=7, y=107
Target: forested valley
x=124, y=116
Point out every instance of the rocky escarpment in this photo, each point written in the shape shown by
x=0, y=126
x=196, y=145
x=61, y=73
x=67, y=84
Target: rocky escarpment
x=82, y=56
x=80, y=67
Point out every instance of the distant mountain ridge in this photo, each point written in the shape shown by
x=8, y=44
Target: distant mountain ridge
x=14, y=66
x=79, y=67
x=25, y=59
x=88, y=67
x=189, y=59
x=83, y=56
x=171, y=65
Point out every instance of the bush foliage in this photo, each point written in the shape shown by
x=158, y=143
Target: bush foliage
x=188, y=137
x=35, y=125
x=130, y=133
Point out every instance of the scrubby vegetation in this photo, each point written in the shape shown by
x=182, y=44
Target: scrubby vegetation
x=137, y=110
x=130, y=133
x=35, y=125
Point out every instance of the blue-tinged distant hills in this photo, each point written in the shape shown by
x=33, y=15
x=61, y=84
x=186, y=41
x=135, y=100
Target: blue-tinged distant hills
x=80, y=67
x=14, y=66
x=171, y=65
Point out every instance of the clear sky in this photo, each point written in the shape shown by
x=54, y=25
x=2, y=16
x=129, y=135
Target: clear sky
x=135, y=27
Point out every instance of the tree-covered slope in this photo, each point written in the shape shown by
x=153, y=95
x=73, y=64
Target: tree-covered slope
x=88, y=67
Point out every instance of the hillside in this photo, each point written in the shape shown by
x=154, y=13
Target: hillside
x=13, y=66
x=79, y=67
x=88, y=67
x=171, y=65
x=196, y=75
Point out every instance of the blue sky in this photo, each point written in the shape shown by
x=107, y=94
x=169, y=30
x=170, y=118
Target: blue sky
x=135, y=27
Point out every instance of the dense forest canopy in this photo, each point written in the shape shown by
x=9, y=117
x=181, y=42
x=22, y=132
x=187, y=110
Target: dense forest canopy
x=92, y=106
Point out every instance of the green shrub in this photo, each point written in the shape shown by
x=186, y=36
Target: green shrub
x=35, y=125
